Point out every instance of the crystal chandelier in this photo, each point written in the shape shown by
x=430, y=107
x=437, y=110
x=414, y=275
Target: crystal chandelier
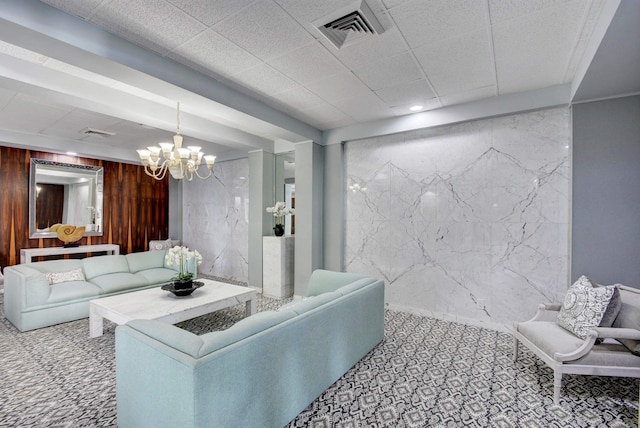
x=180, y=162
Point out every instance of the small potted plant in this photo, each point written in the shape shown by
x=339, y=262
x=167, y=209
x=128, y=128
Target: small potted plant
x=279, y=210
x=181, y=256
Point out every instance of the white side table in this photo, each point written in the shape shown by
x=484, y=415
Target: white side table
x=277, y=266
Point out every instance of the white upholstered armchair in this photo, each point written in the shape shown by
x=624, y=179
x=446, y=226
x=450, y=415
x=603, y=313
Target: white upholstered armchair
x=604, y=351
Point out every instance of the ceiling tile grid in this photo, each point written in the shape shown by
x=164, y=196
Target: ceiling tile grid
x=549, y=36
x=162, y=30
x=265, y=30
x=432, y=52
x=458, y=64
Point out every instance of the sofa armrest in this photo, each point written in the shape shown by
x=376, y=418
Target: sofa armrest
x=545, y=308
x=170, y=335
x=583, y=350
x=618, y=333
x=25, y=286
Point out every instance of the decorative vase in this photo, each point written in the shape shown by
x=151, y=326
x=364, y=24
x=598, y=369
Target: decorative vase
x=278, y=230
x=181, y=285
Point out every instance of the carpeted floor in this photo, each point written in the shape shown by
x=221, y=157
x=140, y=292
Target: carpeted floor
x=426, y=373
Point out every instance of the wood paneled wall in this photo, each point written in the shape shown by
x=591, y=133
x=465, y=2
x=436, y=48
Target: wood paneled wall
x=136, y=206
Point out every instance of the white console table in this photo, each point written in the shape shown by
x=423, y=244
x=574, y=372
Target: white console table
x=27, y=254
x=277, y=266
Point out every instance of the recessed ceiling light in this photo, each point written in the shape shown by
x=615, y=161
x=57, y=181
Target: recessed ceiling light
x=72, y=154
x=415, y=108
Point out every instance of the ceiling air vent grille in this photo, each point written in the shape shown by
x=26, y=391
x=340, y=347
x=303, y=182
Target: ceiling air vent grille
x=97, y=132
x=352, y=26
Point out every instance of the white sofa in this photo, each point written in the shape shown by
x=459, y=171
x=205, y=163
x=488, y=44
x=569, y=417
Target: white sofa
x=31, y=301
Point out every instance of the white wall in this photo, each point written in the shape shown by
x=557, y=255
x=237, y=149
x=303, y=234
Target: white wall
x=216, y=220
x=469, y=221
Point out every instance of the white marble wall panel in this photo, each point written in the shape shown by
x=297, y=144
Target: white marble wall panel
x=470, y=220
x=216, y=220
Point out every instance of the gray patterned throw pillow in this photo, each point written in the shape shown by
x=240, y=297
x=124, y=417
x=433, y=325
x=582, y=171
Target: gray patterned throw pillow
x=584, y=306
x=58, y=277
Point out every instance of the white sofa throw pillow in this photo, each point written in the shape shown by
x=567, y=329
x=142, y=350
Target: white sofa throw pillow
x=58, y=277
x=584, y=306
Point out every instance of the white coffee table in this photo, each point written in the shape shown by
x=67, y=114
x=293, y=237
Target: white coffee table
x=155, y=303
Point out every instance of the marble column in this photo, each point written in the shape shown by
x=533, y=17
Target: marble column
x=277, y=266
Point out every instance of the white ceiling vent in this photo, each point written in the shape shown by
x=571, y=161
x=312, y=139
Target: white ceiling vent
x=97, y=132
x=350, y=26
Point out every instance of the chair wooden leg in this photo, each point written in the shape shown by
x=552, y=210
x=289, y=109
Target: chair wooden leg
x=557, y=385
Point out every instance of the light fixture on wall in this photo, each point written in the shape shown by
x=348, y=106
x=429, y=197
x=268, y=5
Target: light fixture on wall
x=180, y=162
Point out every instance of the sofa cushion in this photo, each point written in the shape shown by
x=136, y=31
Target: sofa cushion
x=58, y=277
x=550, y=337
x=56, y=265
x=145, y=260
x=101, y=265
x=241, y=330
x=584, y=306
x=113, y=282
x=629, y=317
x=157, y=275
x=73, y=290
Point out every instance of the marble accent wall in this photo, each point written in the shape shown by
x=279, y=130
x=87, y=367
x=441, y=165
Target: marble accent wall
x=466, y=222
x=216, y=220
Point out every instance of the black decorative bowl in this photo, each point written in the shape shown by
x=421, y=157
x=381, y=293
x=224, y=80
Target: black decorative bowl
x=181, y=292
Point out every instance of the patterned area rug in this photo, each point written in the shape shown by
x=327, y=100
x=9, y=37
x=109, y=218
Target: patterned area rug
x=426, y=373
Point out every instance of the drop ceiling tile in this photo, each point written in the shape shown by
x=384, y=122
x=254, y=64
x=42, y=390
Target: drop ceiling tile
x=265, y=30
x=71, y=125
x=212, y=51
x=369, y=50
x=5, y=97
x=468, y=96
x=390, y=71
x=210, y=12
x=41, y=114
x=324, y=116
x=533, y=51
x=81, y=8
x=298, y=98
x=458, y=64
x=501, y=10
x=406, y=94
x=163, y=30
x=423, y=22
x=364, y=108
x=338, y=87
x=307, y=64
x=264, y=80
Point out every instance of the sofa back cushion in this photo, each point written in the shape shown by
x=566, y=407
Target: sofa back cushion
x=322, y=281
x=54, y=266
x=102, y=265
x=241, y=330
x=145, y=260
x=629, y=317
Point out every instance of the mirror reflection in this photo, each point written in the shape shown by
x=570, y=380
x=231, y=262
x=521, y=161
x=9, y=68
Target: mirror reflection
x=285, y=186
x=61, y=193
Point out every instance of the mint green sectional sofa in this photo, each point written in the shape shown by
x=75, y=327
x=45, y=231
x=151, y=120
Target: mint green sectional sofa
x=31, y=302
x=262, y=372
